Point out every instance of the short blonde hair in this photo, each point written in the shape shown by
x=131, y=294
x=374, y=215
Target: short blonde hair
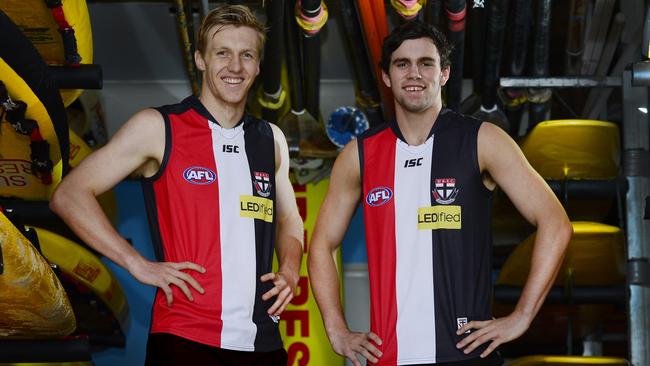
x=226, y=15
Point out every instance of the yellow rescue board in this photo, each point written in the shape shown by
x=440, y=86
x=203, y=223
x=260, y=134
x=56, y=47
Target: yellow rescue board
x=568, y=360
x=33, y=302
x=595, y=256
x=37, y=23
x=82, y=265
x=574, y=149
x=16, y=178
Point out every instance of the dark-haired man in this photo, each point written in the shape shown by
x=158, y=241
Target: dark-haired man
x=216, y=184
x=425, y=182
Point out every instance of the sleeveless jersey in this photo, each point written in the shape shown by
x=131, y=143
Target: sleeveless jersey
x=211, y=203
x=427, y=217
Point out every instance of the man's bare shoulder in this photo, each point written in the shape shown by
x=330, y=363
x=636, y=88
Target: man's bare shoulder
x=278, y=135
x=492, y=140
x=142, y=136
x=143, y=126
x=346, y=166
x=350, y=152
x=146, y=120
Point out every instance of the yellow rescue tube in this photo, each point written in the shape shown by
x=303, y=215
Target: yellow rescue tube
x=33, y=302
x=574, y=149
x=39, y=26
x=16, y=179
x=595, y=257
x=82, y=265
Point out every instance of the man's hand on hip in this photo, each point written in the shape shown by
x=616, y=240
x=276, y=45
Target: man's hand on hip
x=349, y=344
x=284, y=287
x=166, y=274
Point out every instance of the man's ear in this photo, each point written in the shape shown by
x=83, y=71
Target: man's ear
x=198, y=59
x=385, y=78
x=445, y=75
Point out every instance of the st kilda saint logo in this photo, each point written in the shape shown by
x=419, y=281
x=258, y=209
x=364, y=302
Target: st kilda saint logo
x=262, y=183
x=445, y=191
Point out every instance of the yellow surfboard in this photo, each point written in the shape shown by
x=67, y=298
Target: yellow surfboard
x=82, y=265
x=568, y=361
x=33, y=302
x=595, y=257
x=569, y=150
x=574, y=149
x=39, y=26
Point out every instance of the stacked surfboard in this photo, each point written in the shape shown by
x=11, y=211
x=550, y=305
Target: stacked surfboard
x=580, y=161
x=80, y=298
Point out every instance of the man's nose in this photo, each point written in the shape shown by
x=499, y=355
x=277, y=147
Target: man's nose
x=413, y=72
x=234, y=64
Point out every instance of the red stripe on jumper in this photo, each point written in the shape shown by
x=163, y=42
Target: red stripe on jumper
x=379, y=171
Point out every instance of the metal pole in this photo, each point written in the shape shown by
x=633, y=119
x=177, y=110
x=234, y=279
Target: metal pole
x=636, y=161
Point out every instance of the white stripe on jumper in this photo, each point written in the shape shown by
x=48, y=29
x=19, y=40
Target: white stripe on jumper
x=414, y=262
x=237, y=241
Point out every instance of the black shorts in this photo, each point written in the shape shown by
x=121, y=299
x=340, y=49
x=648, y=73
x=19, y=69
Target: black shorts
x=165, y=349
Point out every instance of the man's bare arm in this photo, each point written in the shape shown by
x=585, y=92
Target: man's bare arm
x=139, y=141
x=289, y=245
x=501, y=158
x=333, y=219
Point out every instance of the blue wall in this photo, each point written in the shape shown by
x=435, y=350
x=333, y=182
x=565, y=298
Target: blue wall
x=133, y=225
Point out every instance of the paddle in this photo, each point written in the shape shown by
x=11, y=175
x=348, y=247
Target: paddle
x=576, y=37
x=314, y=143
x=289, y=122
x=455, y=11
x=367, y=95
x=477, y=35
x=514, y=98
x=540, y=98
x=273, y=95
x=183, y=31
x=489, y=110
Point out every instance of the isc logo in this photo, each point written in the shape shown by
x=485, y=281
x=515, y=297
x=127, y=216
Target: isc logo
x=231, y=149
x=410, y=163
x=378, y=196
x=199, y=175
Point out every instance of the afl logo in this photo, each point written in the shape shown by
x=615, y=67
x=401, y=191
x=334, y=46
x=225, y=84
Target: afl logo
x=199, y=175
x=379, y=196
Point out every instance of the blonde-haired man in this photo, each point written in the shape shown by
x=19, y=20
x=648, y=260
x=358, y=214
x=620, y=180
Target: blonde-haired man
x=217, y=189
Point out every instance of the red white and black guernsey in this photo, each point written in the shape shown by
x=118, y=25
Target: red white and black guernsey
x=212, y=203
x=427, y=216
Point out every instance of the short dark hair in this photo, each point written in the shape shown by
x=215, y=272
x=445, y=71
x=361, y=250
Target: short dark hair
x=415, y=29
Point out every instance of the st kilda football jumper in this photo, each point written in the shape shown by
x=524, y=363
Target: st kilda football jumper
x=427, y=218
x=212, y=202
